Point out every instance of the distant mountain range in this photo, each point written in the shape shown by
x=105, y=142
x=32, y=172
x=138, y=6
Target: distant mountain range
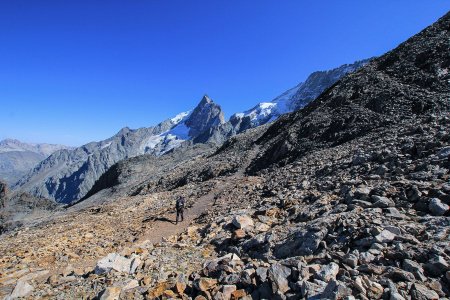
x=68, y=175
x=18, y=158
x=289, y=101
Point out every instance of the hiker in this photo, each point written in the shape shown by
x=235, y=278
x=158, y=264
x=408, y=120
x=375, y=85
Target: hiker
x=180, y=208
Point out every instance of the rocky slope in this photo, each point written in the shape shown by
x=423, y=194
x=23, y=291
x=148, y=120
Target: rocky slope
x=409, y=81
x=19, y=208
x=17, y=158
x=68, y=175
x=291, y=100
x=346, y=209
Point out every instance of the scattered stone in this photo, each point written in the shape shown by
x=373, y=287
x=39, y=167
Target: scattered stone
x=328, y=272
x=278, y=275
x=116, y=262
x=205, y=284
x=382, y=202
x=243, y=222
x=420, y=292
x=385, y=237
x=22, y=289
x=110, y=293
x=437, y=207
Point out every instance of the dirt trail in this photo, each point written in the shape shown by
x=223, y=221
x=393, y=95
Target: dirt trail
x=163, y=225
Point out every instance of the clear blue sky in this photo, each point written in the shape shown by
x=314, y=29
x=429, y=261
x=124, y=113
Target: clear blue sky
x=75, y=71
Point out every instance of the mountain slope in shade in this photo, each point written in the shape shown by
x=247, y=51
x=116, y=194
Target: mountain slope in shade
x=291, y=100
x=68, y=175
x=405, y=83
x=18, y=158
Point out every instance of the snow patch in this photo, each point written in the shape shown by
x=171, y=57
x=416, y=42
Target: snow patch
x=181, y=131
x=178, y=118
x=105, y=145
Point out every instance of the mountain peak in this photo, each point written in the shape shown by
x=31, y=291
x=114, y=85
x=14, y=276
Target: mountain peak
x=205, y=100
x=207, y=114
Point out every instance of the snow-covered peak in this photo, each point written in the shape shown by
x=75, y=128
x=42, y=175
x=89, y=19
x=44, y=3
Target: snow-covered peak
x=185, y=126
x=178, y=118
x=294, y=98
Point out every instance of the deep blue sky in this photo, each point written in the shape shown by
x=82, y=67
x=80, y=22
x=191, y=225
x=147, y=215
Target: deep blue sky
x=76, y=71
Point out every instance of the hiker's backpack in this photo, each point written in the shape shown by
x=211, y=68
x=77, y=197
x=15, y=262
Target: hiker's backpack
x=180, y=203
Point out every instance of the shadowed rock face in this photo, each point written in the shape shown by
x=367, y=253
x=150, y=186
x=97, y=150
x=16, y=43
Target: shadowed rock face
x=3, y=193
x=68, y=175
x=406, y=82
x=16, y=207
x=205, y=116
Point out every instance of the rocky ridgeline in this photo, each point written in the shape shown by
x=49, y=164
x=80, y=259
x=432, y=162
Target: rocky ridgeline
x=313, y=207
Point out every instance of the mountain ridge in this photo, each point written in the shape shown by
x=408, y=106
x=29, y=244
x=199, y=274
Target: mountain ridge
x=17, y=158
x=204, y=124
x=67, y=175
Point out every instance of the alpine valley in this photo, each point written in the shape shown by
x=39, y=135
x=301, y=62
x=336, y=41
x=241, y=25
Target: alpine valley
x=337, y=189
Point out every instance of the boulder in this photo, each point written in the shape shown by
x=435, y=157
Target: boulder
x=227, y=290
x=278, y=275
x=261, y=274
x=420, y=292
x=114, y=261
x=415, y=268
x=437, y=207
x=444, y=152
x=336, y=290
x=243, y=222
x=382, y=202
x=436, y=266
x=301, y=243
x=22, y=289
x=110, y=293
x=385, y=236
x=328, y=272
x=205, y=284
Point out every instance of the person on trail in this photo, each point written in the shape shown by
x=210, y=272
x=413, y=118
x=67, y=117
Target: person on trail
x=180, y=208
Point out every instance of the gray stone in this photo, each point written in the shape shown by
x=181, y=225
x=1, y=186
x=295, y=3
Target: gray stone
x=110, y=293
x=385, y=237
x=22, y=289
x=261, y=273
x=436, y=266
x=116, y=262
x=328, y=272
x=278, y=275
x=351, y=260
x=363, y=204
x=362, y=193
x=420, y=292
x=444, y=152
x=243, y=222
x=366, y=257
x=301, y=243
x=382, y=202
x=396, y=296
x=394, y=213
x=415, y=268
x=414, y=194
x=336, y=290
x=312, y=290
x=437, y=207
